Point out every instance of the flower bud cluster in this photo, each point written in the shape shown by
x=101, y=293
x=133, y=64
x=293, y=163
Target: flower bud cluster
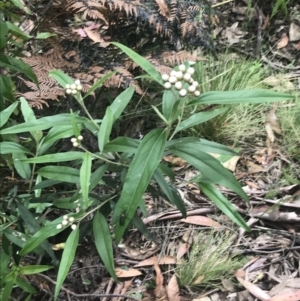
x=67, y=221
x=76, y=141
x=179, y=78
x=74, y=88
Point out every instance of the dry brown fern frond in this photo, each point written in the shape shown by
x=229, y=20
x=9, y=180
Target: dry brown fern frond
x=176, y=58
x=164, y=9
x=129, y=6
x=89, y=8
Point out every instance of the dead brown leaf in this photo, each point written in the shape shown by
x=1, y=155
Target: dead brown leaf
x=254, y=168
x=159, y=290
x=175, y=161
x=173, y=289
x=293, y=296
x=95, y=36
x=152, y=260
x=185, y=245
x=127, y=273
x=201, y=220
x=283, y=41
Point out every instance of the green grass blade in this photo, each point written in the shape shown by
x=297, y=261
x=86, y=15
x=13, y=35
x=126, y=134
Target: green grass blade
x=223, y=204
x=142, y=167
x=104, y=243
x=66, y=260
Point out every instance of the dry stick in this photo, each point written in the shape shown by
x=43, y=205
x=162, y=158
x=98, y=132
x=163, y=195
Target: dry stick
x=85, y=295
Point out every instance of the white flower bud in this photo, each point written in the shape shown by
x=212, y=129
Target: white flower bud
x=77, y=82
x=187, y=77
x=190, y=70
x=178, y=85
x=64, y=222
x=74, y=91
x=68, y=86
x=191, y=89
x=179, y=75
x=168, y=85
x=65, y=217
x=78, y=87
x=165, y=77
x=73, y=140
x=73, y=227
x=73, y=86
x=71, y=219
x=59, y=226
x=75, y=144
x=197, y=93
x=195, y=83
x=181, y=68
x=182, y=92
x=79, y=138
x=172, y=79
x=173, y=73
x=68, y=91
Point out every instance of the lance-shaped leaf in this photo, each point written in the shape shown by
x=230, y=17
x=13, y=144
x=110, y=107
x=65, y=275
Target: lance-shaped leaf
x=5, y=114
x=62, y=173
x=12, y=147
x=105, y=129
x=66, y=260
x=198, y=118
x=141, y=61
x=104, y=243
x=223, y=204
x=122, y=144
x=142, y=167
x=85, y=176
x=60, y=157
x=210, y=167
x=242, y=96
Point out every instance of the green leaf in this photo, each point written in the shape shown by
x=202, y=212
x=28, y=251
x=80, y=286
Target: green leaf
x=171, y=193
x=44, y=35
x=170, y=105
x=5, y=114
x=3, y=33
x=203, y=144
x=42, y=124
x=121, y=101
x=16, y=31
x=29, y=115
x=85, y=176
x=105, y=129
x=24, y=285
x=160, y=115
x=97, y=176
x=18, y=3
x=61, y=173
x=34, y=269
x=103, y=243
x=55, y=134
x=138, y=223
x=141, y=61
x=59, y=157
x=98, y=83
x=39, y=237
x=66, y=260
x=22, y=168
x=12, y=147
x=142, y=167
x=33, y=227
x=223, y=204
x=61, y=77
x=242, y=96
x=122, y=144
x=7, y=89
x=17, y=65
x=210, y=167
x=198, y=118
x=6, y=295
